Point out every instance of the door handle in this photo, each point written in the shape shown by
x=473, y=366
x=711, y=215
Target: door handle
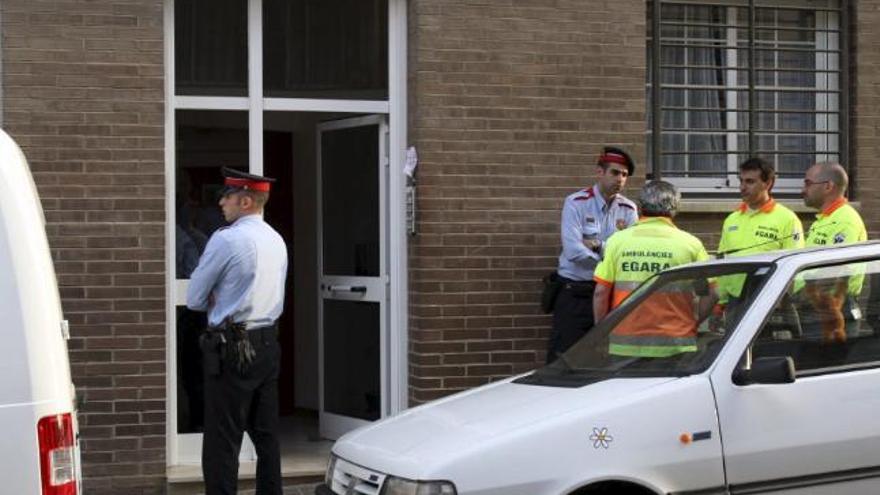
x=362, y=289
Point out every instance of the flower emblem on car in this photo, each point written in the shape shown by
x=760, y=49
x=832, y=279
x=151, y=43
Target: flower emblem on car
x=601, y=438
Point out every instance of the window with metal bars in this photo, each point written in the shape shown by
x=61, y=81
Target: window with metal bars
x=741, y=78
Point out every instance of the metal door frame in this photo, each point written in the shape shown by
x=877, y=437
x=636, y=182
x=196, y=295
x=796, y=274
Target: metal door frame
x=334, y=425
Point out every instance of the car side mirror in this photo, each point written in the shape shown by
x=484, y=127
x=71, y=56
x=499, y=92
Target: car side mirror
x=766, y=370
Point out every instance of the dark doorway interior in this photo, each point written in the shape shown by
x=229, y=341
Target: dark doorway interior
x=278, y=164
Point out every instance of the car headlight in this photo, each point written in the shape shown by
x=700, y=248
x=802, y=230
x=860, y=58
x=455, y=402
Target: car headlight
x=399, y=486
x=331, y=466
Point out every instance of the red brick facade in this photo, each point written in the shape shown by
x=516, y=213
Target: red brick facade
x=83, y=95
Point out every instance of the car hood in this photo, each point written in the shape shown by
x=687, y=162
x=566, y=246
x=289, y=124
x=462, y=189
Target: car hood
x=436, y=432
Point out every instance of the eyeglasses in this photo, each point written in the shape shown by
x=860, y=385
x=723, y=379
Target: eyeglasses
x=808, y=182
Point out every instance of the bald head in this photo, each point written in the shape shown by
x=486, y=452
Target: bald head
x=824, y=183
x=835, y=173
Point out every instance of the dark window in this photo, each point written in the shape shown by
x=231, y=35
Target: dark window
x=206, y=141
x=210, y=47
x=738, y=81
x=326, y=49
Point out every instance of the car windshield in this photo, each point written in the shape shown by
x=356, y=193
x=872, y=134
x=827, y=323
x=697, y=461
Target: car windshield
x=673, y=325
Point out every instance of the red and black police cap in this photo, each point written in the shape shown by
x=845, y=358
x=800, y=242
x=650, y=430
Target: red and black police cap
x=236, y=180
x=611, y=154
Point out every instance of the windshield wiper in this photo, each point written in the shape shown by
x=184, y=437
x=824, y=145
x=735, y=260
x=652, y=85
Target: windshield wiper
x=650, y=373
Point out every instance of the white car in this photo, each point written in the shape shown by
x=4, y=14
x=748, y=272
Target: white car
x=40, y=453
x=781, y=395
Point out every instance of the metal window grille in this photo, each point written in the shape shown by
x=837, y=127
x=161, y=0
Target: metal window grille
x=740, y=78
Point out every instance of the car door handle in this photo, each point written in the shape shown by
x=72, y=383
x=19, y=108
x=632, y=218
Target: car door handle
x=362, y=289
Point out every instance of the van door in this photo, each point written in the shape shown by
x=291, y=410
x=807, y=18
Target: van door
x=39, y=427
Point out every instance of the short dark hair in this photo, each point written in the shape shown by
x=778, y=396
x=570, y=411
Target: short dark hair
x=768, y=172
x=630, y=164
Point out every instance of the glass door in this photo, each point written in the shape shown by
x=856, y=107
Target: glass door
x=353, y=280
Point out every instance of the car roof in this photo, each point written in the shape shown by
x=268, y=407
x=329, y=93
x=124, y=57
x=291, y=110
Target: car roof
x=804, y=256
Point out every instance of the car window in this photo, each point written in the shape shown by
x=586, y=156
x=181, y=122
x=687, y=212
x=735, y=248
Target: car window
x=828, y=320
x=664, y=328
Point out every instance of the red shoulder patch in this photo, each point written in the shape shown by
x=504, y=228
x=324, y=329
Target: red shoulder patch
x=588, y=192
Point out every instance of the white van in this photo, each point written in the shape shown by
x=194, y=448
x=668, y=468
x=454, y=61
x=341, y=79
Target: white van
x=782, y=397
x=40, y=447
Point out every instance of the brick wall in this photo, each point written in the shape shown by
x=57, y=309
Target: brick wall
x=83, y=95
x=865, y=121
x=511, y=102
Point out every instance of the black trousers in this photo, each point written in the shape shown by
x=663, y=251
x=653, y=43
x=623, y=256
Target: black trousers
x=235, y=403
x=572, y=316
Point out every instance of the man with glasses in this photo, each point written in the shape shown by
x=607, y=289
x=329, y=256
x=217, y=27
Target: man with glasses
x=837, y=221
x=834, y=303
x=589, y=217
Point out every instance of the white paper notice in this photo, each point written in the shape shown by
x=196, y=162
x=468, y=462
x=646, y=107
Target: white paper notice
x=412, y=160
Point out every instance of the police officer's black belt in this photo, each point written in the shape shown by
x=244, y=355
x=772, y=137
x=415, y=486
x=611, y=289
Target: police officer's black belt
x=568, y=283
x=235, y=345
x=257, y=333
x=263, y=334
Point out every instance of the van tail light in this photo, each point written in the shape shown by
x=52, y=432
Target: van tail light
x=57, y=454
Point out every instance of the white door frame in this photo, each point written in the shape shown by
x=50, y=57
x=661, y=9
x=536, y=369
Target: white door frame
x=179, y=447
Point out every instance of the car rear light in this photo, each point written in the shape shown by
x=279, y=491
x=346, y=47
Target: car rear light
x=57, y=454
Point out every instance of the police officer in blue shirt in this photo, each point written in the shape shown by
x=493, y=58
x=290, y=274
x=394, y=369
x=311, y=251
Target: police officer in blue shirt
x=239, y=281
x=589, y=217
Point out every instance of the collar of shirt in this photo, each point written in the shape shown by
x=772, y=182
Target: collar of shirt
x=832, y=207
x=253, y=217
x=765, y=208
x=666, y=220
x=602, y=203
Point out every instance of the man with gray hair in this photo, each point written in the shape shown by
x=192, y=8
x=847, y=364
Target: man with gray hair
x=632, y=256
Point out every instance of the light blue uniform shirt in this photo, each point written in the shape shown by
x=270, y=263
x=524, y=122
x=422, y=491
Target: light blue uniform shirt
x=586, y=215
x=244, y=267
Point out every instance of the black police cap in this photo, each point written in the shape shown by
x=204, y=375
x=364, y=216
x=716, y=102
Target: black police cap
x=236, y=180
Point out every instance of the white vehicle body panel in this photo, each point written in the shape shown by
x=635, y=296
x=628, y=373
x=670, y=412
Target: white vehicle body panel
x=517, y=439
x=765, y=437
x=33, y=355
x=540, y=437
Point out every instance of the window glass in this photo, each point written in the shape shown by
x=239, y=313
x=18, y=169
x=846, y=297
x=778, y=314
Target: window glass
x=206, y=141
x=210, y=47
x=190, y=377
x=827, y=321
x=326, y=49
x=664, y=328
x=350, y=235
x=705, y=68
